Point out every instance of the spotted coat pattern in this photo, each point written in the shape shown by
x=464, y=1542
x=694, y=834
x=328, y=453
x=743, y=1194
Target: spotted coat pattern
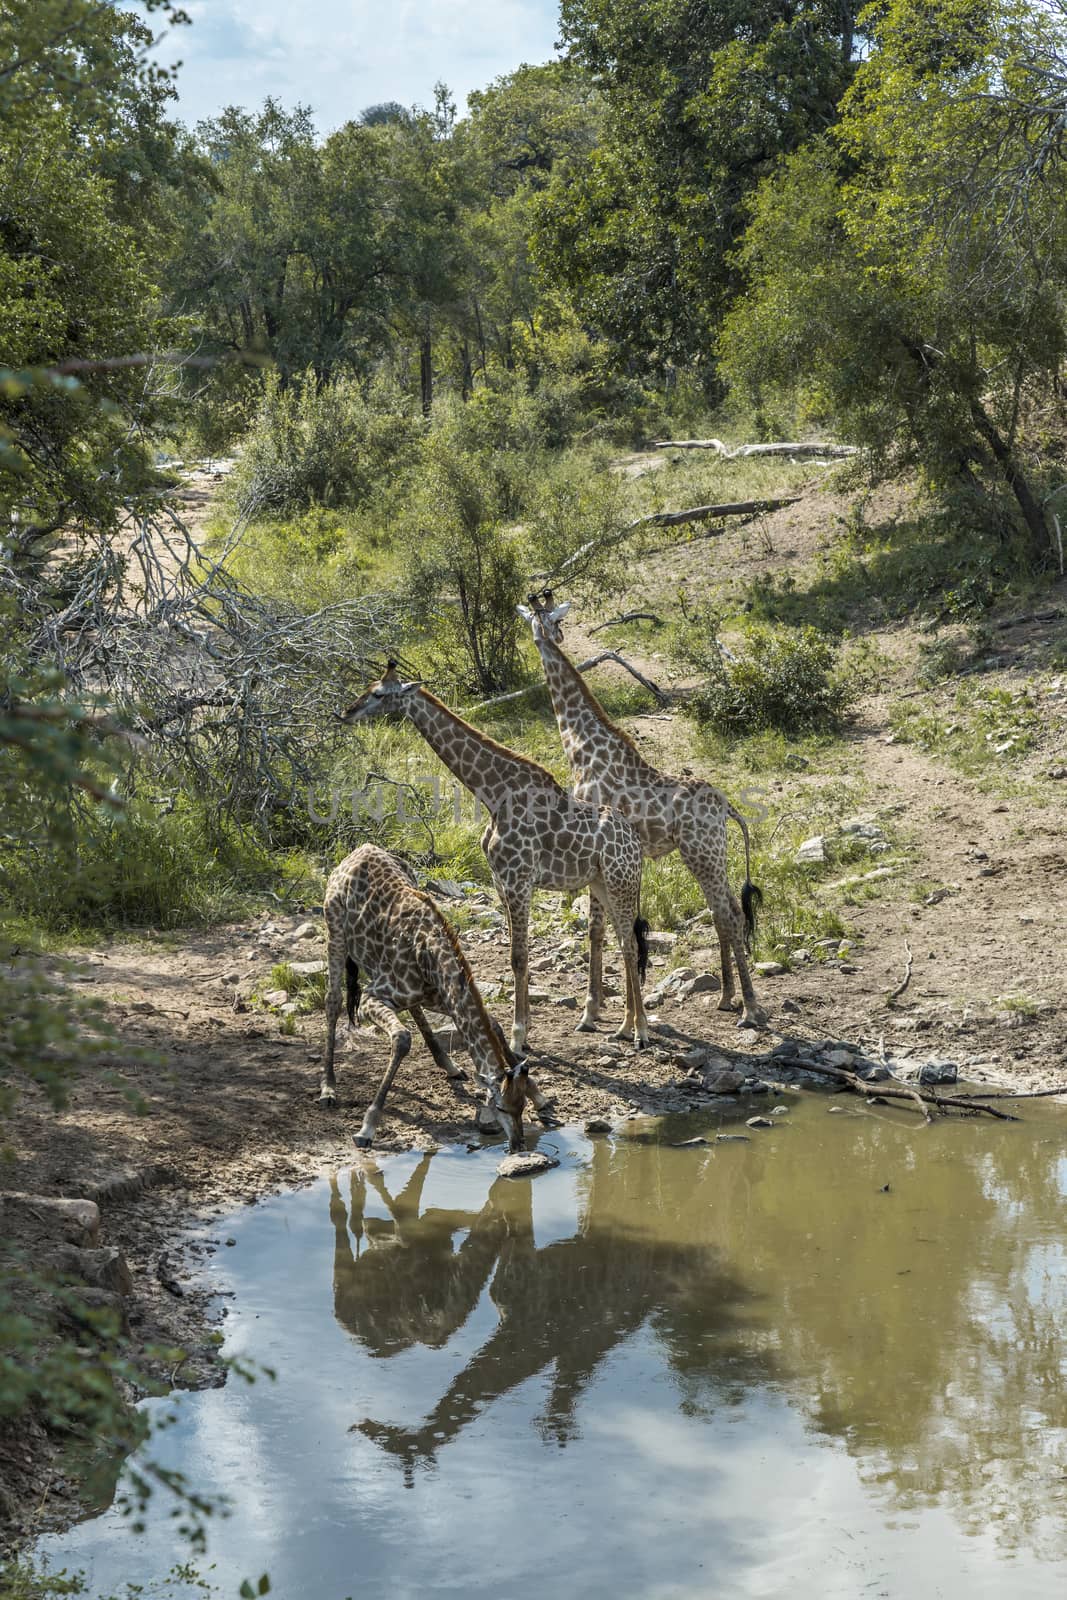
x=540, y=836
x=683, y=814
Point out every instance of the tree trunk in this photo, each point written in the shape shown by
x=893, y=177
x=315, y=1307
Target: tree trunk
x=1033, y=515
x=426, y=373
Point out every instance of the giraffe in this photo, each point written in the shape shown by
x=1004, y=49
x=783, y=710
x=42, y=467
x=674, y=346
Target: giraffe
x=683, y=814
x=538, y=836
x=378, y=921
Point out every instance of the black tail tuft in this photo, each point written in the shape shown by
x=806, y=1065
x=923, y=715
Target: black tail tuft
x=352, y=990
x=751, y=900
x=641, y=935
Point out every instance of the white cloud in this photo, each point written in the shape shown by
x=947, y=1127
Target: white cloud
x=339, y=56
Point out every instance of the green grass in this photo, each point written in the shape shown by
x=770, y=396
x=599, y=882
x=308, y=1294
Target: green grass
x=986, y=728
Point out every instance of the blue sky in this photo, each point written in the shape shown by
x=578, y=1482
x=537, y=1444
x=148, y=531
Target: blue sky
x=341, y=55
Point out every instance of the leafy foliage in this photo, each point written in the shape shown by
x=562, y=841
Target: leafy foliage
x=785, y=680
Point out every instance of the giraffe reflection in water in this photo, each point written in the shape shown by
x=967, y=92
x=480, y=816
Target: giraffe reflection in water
x=401, y=1282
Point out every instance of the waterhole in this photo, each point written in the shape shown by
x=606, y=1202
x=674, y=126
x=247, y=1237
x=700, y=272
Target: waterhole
x=829, y=1361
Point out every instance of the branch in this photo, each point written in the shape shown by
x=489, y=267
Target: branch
x=899, y=990
x=834, y=451
x=665, y=519
x=661, y=696
x=628, y=616
x=902, y=1091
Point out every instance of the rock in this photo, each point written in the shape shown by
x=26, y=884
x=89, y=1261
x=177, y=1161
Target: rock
x=542, y=963
x=688, y=1144
x=540, y=997
x=874, y=1072
x=846, y=966
x=800, y=957
x=231, y=977
x=445, y=888
x=308, y=969
x=101, y=1268
x=758, y=1122
x=812, y=851
x=726, y=1082
x=790, y=1006
x=525, y=1164
x=307, y=930
x=695, y=1056
x=275, y=997
x=76, y=1221
x=755, y=1086
x=703, y=983
x=832, y=1111
x=768, y=969
x=1057, y=772
x=779, y=1111
x=597, y=1125
x=661, y=941
x=733, y=1138
x=566, y=1001
x=938, y=1072
x=840, y=1058
x=144, y=1007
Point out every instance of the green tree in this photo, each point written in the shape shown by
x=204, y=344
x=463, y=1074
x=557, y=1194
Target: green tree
x=895, y=278
x=702, y=98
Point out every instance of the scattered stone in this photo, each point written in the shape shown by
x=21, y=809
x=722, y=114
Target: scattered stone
x=874, y=1072
x=231, y=977
x=308, y=969
x=306, y=930
x=101, y=1268
x=542, y=963
x=231, y=1241
x=525, y=1164
x=790, y=1006
x=832, y=1111
x=733, y=1138
x=1057, y=772
x=540, y=997
x=145, y=1007
x=275, y=997
x=696, y=1056
x=769, y=969
x=661, y=941
x=812, y=851
x=755, y=1086
x=703, y=983
x=566, y=1001
x=847, y=966
x=800, y=956
x=75, y=1221
x=933, y=1072
x=725, y=1082
x=758, y=1122
x=779, y=1111
x=688, y=1144
x=598, y=1125
x=840, y=1058
x=445, y=888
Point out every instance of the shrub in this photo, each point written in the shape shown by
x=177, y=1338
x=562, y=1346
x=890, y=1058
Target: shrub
x=323, y=446
x=786, y=679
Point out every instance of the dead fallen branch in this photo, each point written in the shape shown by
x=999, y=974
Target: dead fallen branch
x=1018, y=1094
x=628, y=616
x=835, y=452
x=895, y=1090
x=664, y=519
x=661, y=696
x=1050, y=614
x=895, y=995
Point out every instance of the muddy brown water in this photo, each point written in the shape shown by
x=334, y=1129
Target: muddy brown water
x=830, y=1361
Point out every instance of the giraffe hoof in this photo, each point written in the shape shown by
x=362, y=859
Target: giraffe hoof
x=726, y=1004
x=586, y=1027
x=328, y=1099
x=362, y=1141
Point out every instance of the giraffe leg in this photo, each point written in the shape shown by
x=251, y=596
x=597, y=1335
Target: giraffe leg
x=730, y=927
x=594, y=1000
x=382, y=1016
x=517, y=901
x=436, y=1048
x=335, y=964
x=623, y=901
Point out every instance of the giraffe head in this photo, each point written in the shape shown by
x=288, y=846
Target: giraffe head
x=544, y=615
x=390, y=695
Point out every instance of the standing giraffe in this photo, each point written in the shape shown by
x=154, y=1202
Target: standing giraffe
x=538, y=836
x=377, y=921
x=683, y=814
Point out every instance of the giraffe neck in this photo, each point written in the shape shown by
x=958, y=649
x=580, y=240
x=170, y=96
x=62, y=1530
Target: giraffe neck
x=457, y=988
x=591, y=740
x=491, y=772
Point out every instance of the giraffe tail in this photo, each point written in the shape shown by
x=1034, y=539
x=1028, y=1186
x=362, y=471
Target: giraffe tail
x=751, y=895
x=352, y=990
x=641, y=930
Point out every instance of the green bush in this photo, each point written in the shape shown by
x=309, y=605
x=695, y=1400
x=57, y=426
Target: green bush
x=786, y=679
x=323, y=446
